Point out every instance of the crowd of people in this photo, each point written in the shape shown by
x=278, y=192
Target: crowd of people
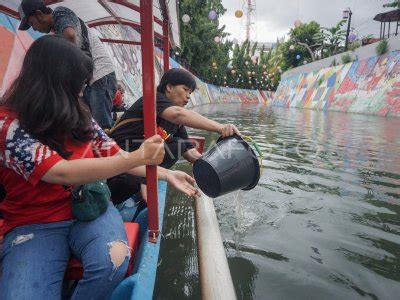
x=53, y=141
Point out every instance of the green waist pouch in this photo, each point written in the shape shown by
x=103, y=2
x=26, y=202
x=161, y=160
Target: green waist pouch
x=89, y=201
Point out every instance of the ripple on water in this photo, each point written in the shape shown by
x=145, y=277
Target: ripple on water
x=324, y=221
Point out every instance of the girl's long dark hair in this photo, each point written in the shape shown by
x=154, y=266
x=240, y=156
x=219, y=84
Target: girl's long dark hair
x=45, y=96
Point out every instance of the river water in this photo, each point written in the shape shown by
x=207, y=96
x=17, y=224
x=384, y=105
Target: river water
x=323, y=222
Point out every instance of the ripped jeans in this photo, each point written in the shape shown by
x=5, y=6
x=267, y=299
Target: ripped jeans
x=35, y=257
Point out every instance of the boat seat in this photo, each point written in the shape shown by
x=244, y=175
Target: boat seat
x=75, y=270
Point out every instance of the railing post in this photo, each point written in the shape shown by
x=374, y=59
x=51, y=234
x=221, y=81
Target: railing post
x=166, y=44
x=149, y=109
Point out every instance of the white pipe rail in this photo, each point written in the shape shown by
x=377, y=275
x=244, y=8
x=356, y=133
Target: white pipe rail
x=215, y=276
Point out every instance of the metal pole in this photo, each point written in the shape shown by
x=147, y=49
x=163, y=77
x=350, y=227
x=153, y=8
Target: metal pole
x=166, y=44
x=215, y=276
x=346, y=46
x=384, y=29
x=149, y=108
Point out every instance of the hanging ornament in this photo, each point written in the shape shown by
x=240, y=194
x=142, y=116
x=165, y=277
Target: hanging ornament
x=264, y=66
x=249, y=73
x=253, y=73
x=212, y=15
x=305, y=62
x=297, y=23
x=291, y=48
x=217, y=39
x=224, y=82
x=352, y=37
x=233, y=72
x=214, y=64
x=239, y=13
x=177, y=53
x=298, y=56
x=265, y=73
x=215, y=68
x=246, y=63
x=185, y=18
x=224, y=77
x=254, y=57
x=240, y=75
x=215, y=76
x=249, y=82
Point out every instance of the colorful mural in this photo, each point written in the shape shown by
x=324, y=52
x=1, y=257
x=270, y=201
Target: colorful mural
x=13, y=47
x=221, y=94
x=370, y=86
x=127, y=61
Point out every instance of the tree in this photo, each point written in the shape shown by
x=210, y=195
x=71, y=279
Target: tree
x=301, y=45
x=199, y=51
x=392, y=4
x=330, y=40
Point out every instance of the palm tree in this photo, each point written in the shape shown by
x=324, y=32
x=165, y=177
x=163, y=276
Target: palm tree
x=331, y=40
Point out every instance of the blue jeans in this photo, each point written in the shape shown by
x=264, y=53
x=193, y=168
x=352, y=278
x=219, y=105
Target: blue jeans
x=99, y=97
x=35, y=257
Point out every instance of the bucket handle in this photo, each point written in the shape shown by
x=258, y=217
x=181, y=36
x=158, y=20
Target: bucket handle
x=257, y=148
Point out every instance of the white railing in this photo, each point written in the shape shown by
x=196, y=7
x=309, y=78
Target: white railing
x=215, y=277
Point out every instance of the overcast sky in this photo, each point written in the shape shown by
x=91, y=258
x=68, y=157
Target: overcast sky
x=274, y=18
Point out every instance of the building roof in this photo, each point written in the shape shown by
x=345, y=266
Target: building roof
x=390, y=16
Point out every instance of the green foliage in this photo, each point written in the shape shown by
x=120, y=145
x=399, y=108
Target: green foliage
x=331, y=40
x=198, y=48
x=346, y=58
x=305, y=33
x=354, y=45
x=334, y=63
x=392, y=4
x=253, y=74
x=382, y=47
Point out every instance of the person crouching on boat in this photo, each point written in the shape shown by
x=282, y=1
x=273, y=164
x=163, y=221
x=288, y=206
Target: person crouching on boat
x=64, y=22
x=173, y=93
x=49, y=144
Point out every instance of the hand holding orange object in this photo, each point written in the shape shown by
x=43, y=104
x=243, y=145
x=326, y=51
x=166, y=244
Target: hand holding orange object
x=161, y=132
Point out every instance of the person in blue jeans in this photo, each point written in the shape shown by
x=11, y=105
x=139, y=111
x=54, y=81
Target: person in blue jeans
x=101, y=88
x=48, y=144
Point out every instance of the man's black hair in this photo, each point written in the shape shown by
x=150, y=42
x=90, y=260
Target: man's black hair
x=27, y=8
x=174, y=77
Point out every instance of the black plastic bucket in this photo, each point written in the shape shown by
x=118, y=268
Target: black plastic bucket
x=230, y=165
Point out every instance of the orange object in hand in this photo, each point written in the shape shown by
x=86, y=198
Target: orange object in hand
x=161, y=132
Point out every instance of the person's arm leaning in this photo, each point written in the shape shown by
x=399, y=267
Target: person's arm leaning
x=191, y=155
x=86, y=170
x=182, y=116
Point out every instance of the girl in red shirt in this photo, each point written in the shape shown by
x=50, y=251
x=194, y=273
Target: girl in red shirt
x=48, y=141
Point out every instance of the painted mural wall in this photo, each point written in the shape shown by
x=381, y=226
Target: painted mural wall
x=127, y=61
x=370, y=86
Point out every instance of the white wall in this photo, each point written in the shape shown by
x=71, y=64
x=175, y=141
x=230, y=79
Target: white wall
x=360, y=54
